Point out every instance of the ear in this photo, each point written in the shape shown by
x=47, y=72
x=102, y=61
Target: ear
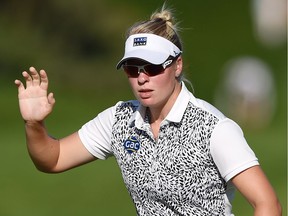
x=179, y=66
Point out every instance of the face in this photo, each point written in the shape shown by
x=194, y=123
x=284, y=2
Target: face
x=156, y=91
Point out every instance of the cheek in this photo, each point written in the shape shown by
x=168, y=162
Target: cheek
x=167, y=78
x=133, y=83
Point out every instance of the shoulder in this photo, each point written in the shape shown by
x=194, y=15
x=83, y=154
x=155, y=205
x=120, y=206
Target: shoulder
x=119, y=107
x=125, y=108
x=187, y=96
x=130, y=104
x=206, y=106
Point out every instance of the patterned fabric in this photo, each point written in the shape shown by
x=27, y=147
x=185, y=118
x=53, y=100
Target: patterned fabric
x=175, y=174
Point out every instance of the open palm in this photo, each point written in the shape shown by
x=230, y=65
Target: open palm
x=35, y=104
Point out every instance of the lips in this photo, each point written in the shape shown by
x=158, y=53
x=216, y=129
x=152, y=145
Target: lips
x=145, y=93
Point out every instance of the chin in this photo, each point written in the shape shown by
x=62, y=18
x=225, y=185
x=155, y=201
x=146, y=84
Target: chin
x=146, y=102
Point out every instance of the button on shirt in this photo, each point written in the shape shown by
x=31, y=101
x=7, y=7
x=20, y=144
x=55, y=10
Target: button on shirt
x=186, y=171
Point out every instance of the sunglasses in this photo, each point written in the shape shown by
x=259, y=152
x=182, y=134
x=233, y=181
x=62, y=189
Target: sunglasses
x=149, y=69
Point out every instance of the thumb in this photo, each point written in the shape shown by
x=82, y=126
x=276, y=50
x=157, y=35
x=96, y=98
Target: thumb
x=51, y=99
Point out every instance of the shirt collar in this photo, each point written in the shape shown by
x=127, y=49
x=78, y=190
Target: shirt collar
x=180, y=105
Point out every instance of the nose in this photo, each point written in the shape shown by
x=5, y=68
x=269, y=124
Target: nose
x=142, y=77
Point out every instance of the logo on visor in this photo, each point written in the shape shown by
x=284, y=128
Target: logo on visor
x=140, y=41
x=131, y=145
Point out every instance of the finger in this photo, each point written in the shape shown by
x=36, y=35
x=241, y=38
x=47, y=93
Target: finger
x=28, y=78
x=44, y=79
x=35, y=76
x=19, y=85
x=51, y=99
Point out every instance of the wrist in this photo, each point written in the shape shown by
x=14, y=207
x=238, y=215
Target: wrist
x=32, y=123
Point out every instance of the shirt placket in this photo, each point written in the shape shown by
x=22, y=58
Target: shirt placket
x=155, y=163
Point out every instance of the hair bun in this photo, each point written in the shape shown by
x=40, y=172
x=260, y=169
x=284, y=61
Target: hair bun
x=164, y=15
x=161, y=23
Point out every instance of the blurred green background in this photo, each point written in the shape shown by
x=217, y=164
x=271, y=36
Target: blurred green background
x=79, y=43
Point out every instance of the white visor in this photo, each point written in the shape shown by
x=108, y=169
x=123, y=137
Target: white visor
x=148, y=47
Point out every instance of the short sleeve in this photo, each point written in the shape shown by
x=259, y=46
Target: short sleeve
x=96, y=134
x=229, y=149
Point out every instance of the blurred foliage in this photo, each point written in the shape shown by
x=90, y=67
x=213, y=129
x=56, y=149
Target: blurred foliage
x=79, y=44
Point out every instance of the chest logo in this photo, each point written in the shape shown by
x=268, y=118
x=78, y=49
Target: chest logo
x=131, y=145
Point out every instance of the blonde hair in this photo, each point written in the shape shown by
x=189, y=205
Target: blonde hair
x=161, y=23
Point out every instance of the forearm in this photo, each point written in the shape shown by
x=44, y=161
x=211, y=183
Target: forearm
x=43, y=149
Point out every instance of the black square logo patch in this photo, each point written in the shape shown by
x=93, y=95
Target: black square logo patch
x=140, y=41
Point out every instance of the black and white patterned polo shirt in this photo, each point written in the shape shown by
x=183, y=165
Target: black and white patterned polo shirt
x=182, y=172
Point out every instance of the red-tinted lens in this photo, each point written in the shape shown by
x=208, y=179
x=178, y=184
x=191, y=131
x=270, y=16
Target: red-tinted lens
x=149, y=69
x=131, y=70
x=153, y=70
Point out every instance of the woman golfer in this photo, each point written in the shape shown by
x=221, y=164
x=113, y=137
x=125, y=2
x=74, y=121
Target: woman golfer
x=178, y=155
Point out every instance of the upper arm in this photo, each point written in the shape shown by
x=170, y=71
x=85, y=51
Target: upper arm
x=237, y=162
x=92, y=141
x=255, y=187
x=72, y=153
x=230, y=151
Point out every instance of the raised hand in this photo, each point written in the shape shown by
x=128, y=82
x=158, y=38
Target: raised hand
x=34, y=101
